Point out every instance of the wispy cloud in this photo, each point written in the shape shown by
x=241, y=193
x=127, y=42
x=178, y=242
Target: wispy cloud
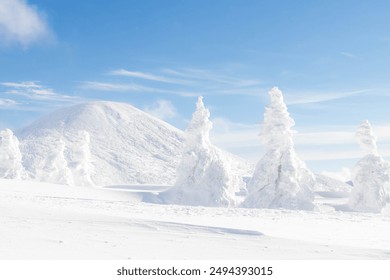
x=7, y=102
x=132, y=87
x=21, y=23
x=348, y=54
x=147, y=76
x=183, y=82
x=293, y=98
x=211, y=76
x=189, y=82
x=162, y=109
x=116, y=87
x=34, y=90
x=27, y=85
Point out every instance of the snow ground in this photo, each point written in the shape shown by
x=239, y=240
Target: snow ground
x=47, y=221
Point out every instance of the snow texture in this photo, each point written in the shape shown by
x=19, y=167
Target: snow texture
x=281, y=179
x=47, y=221
x=10, y=156
x=370, y=176
x=203, y=176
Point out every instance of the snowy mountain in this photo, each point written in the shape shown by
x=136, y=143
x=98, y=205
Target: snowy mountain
x=126, y=145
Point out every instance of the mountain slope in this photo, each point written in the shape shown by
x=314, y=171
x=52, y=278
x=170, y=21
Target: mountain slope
x=127, y=145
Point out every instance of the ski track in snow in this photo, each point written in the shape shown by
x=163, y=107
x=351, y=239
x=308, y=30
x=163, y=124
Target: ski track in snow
x=47, y=221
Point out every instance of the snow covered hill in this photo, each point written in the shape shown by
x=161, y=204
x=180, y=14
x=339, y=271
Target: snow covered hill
x=127, y=145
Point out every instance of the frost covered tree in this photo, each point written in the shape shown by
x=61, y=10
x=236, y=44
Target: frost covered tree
x=281, y=179
x=80, y=160
x=203, y=176
x=370, y=176
x=54, y=167
x=10, y=156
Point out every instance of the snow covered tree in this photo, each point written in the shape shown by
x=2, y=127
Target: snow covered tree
x=54, y=167
x=10, y=156
x=370, y=176
x=281, y=179
x=203, y=177
x=366, y=138
x=80, y=160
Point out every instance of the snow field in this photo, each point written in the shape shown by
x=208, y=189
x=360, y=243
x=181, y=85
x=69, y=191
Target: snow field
x=46, y=221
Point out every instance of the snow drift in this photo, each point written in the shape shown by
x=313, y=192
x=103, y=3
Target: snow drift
x=281, y=179
x=203, y=175
x=370, y=176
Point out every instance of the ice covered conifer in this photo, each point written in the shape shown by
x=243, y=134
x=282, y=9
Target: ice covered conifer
x=370, y=176
x=281, y=179
x=366, y=138
x=54, y=167
x=80, y=159
x=10, y=156
x=203, y=176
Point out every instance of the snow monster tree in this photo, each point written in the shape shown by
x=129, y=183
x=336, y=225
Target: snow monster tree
x=203, y=177
x=10, y=157
x=370, y=176
x=281, y=179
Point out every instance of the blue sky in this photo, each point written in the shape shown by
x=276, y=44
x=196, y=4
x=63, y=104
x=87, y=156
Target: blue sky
x=330, y=59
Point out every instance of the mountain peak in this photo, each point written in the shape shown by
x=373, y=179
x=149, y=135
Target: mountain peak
x=127, y=145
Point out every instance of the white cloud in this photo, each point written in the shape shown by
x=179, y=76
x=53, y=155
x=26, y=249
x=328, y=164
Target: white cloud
x=21, y=23
x=325, y=138
x=317, y=97
x=228, y=134
x=162, y=109
x=21, y=84
x=182, y=82
x=34, y=90
x=132, y=87
x=204, y=76
x=147, y=76
x=348, y=54
x=101, y=86
x=7, y=102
